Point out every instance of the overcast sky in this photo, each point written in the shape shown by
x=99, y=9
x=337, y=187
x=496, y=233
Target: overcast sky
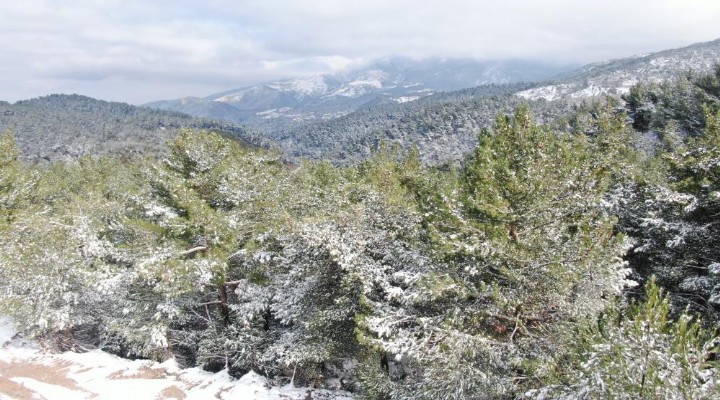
x=143, y=50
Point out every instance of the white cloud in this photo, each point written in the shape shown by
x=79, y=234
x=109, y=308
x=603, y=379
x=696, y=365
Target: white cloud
x=138, y=51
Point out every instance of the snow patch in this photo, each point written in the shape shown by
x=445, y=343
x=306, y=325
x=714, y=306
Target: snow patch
x=314, y=85
x=99, y=375
x=233, y=97
x=625, y=86
x=358, y=88
x=661, y=62
x=273, y=113
x=555, y=92
x=364, y=83
x=405, y=99
x=590, y=91
x=548, y=93
x=7, y=330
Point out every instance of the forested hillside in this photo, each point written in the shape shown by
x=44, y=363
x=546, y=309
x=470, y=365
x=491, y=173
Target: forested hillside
x=68, y=127
x=442, y=131
x=616, y=77
x=565, y=259
x=444, y=126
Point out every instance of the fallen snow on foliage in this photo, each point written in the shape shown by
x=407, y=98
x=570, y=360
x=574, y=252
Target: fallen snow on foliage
x=28, y=372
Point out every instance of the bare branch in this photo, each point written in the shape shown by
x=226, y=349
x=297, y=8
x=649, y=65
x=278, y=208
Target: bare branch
x=193, y=250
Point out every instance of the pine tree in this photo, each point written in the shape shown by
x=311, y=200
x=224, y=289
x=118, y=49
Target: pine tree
x=522, y=249
x=640, y=353
x=675, y=223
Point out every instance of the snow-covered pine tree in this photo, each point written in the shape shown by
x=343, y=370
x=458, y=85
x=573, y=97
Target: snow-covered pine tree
x=639, y=352
x=522, y=250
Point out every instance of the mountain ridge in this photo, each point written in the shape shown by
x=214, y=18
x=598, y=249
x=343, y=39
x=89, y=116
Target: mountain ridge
x=615, y=77
x=328, y=96
x=443, y=125
x=62, y=127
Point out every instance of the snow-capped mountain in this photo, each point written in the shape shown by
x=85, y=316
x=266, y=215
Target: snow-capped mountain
x=323, y=97
x=616, y=77
x=444, y=127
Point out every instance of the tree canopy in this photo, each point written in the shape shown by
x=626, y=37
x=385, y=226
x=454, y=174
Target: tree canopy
x=512, y=275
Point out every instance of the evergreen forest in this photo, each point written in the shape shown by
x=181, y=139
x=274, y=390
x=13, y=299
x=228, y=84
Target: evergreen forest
x=577, y=258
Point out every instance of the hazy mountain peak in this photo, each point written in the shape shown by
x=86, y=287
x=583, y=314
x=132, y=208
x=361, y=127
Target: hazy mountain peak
x=313, y=85
x=388, y=79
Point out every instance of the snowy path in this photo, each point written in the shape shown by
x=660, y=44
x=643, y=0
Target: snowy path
x=28, y=373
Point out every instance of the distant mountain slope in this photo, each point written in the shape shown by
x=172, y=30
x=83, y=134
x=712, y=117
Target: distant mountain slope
x=443, y=132
x=444, y=126
x=342, y=117
x=617, y=76
x=65, y=127
x=324, y=97
x=202, y=108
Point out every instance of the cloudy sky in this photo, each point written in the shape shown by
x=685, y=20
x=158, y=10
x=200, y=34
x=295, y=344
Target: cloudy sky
x=143, y=50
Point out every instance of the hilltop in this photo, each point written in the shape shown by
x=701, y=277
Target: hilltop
x=67, y=127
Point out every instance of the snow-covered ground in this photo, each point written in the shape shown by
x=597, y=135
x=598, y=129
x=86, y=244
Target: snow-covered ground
x=549, y=93
x=26, y=372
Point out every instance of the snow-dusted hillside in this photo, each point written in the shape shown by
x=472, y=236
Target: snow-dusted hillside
x=618, y=76
x=27, y=372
